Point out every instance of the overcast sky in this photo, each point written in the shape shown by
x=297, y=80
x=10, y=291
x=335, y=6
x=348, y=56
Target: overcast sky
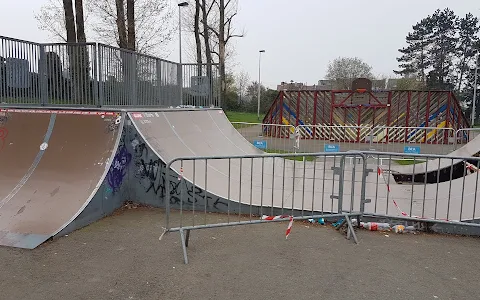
x=300, y=36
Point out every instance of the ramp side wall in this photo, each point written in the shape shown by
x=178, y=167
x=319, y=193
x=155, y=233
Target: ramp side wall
x=112, y=192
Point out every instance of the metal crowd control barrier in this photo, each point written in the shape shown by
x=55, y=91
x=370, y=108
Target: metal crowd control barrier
x=316, y=138
x=394, y=139
x=245, y=189
x=465, y=135
x=432, y=188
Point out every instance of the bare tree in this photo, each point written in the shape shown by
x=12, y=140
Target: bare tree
x=149, y=29
x=69, y=21
x=153, y=26
x=131, y=25
x=77, y=54
x=196, y=29
x=51, y=18
x=343, y=70
x=223, y=33
x=242, y=80
x=80, y=22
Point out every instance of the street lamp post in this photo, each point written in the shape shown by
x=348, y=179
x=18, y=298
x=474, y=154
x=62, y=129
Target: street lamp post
x=475, y=90
x=259, y=80
x=180, y=5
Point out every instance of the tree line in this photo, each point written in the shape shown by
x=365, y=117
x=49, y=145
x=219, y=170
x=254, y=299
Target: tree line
x=441, y=54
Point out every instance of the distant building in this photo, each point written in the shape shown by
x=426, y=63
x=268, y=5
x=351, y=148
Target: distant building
x=325, y=84
x=322, y=85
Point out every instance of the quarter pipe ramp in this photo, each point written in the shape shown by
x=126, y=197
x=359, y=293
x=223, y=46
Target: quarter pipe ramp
x=52, y=167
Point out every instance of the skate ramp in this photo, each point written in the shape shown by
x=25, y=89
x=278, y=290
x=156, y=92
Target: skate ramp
x=468, y=150
x=171, y=134
x=52, y=164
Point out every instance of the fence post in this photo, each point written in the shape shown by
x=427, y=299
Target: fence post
x=134, y=80
x=42, y=72
x=158, y=72
x=100, y=91
x=180, y=82
x=95, y=76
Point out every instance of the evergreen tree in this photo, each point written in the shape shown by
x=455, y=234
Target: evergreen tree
x=443, y=47
x=468, y=28
x=467, y=92
x=414, y=56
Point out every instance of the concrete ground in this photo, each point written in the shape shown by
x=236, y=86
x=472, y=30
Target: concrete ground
x=120, y=257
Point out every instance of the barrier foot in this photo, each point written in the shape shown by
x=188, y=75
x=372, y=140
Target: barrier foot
x=187, y=237
x=184, y=246
x=351, y=230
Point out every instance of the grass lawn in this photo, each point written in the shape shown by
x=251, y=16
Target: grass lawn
x=235, y=116
x=406, y=162
x=297, y=158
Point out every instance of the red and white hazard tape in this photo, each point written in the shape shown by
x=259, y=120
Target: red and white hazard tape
x=61, y=112
x=471, y=167
x=290, y=224
x=380, y=172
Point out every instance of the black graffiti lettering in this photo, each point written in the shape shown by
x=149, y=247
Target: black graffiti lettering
x=219, y=201
x=152, y=175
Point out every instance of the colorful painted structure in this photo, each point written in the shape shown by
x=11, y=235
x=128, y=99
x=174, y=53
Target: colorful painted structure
x=319, y=114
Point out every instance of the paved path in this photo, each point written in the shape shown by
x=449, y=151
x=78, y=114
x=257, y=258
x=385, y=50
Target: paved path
x=120, y=257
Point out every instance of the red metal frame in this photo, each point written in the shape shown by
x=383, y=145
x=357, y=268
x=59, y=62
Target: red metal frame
x=359, y=120
x=447, y=119
x=298, y=109
x=315, y=102
x=427, y=113
x=281, y=112
x=332, y=94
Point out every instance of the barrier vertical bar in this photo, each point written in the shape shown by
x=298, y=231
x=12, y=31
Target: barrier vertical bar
x=228, y=188
x=194, y=200
x=412, y=186
x=303, y=187
x=273, y=184
x=240, y=191
x=261, y=196
x=463, y=192
x=425, y=188
x=450, y=190
x=436, y=193
x=341, y=183
x=167, y=197
x=476, y=189
x=251, y=188
x=205, y=198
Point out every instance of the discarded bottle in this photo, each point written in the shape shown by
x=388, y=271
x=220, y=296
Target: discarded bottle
x=373, y=226
x=410, y=229
x=398, y=228
x=321, y=221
